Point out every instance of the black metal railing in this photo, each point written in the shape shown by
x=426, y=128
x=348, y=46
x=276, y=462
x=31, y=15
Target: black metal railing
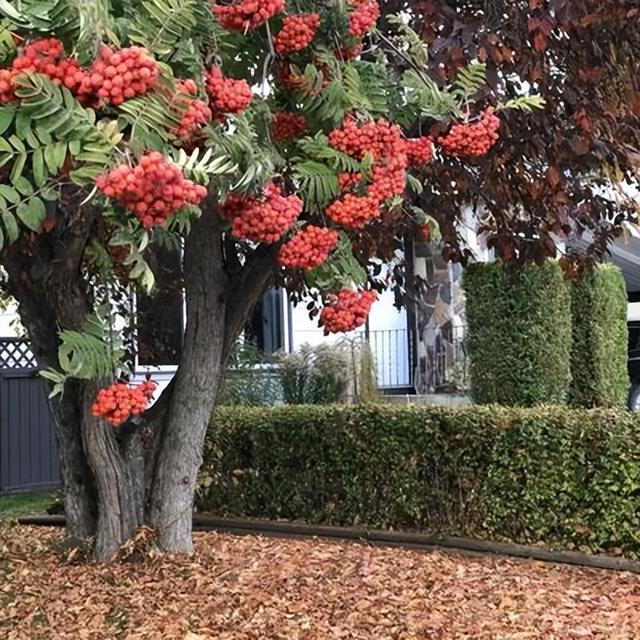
x=392, y=351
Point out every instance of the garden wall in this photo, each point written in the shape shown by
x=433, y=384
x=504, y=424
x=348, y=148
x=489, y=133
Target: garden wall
x=568, y=477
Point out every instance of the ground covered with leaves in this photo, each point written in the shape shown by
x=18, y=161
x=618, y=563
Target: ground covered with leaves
x=242, y=588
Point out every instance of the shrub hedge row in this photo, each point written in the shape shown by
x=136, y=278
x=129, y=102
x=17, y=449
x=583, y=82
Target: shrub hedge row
x=600, y=339
x=568, y=477
x=519, y=333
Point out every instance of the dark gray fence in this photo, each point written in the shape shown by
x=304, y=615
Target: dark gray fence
x=28, y=452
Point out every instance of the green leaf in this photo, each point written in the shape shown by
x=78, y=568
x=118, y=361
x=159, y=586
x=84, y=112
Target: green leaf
x=18, y=166
x=9, y=193
x=161, y=25
x=524, y=103
x=415, y=184
x=469, y=80
x=318, y=184
x=49, y=193
x=11, y=12
x=54, y=122
x=6, y=118
x=93, y=352
x=16, y=143
x=22, y=124
x=48, y=109
x=37, y=165
x=23, y=186
x=85, y=174
x=74, y=147
x=44, y=136
x=55, y=155
x=32, y=213
x=87, y=156
x=10, y=225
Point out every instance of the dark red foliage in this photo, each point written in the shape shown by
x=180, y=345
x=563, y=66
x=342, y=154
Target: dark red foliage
x=548, y=175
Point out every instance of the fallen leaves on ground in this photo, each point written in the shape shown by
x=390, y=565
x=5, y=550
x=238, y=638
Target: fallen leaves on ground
x=254, y=588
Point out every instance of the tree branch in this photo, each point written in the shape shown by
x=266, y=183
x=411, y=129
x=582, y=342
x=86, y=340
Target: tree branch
x=244, y=291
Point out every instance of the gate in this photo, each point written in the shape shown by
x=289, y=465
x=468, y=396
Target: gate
x=28, y=451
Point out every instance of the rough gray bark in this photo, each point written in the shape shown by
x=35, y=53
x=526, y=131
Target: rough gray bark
x=77, y=480
x=119, y=509
x=194, y=389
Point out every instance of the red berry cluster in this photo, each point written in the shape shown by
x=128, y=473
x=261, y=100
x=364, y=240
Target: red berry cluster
x=227, y=95
x=6, y=85
x=153, y=191
x=386, y=144
x=195, y=113
x=309, y=248
x=419, y=150
x=116, y=76
x=261, y=219
x=118, y=402
x=468, y=139
x=363, y=17
x=381, y=139
x=44, y=56
x=347, y=310
x=388, y=180
x=288, y=126
x=425, y=232
x=353, y=212
x=349, y=181
x=245, y=15
x=297, y=33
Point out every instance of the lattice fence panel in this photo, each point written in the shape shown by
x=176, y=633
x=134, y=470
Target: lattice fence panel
x=15, y=353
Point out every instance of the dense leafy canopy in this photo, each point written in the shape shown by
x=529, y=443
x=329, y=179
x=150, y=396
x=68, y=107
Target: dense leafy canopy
x=268, y=115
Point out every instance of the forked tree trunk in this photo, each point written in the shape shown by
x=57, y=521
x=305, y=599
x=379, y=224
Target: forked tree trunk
x=117, y=479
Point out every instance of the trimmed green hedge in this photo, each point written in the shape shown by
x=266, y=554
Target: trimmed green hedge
x=568, y=477
x=519, y=333
x=600, y=339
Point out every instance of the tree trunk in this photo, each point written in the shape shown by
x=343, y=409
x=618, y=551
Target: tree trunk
x=118, y=508
x=194, y=391
x=77, y=480
x=116, y=479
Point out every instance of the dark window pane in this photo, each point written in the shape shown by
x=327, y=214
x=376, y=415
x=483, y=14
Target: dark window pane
x=265, y=328
x=160, y=316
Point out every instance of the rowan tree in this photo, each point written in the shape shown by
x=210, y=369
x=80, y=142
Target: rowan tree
x=273, y=142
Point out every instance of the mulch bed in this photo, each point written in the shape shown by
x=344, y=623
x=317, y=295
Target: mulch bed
x=246, y=588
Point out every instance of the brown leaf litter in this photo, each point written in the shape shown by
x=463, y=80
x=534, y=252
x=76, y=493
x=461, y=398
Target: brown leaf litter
x=254, y=588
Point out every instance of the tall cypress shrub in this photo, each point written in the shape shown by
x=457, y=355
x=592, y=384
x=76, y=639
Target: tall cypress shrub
x=519, y=322
x=600, y=338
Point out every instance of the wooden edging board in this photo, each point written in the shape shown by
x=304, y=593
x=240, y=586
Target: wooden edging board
x=405, y=539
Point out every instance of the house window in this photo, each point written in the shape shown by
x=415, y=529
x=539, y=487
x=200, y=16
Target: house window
x=160, y=316
x=266, y=327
